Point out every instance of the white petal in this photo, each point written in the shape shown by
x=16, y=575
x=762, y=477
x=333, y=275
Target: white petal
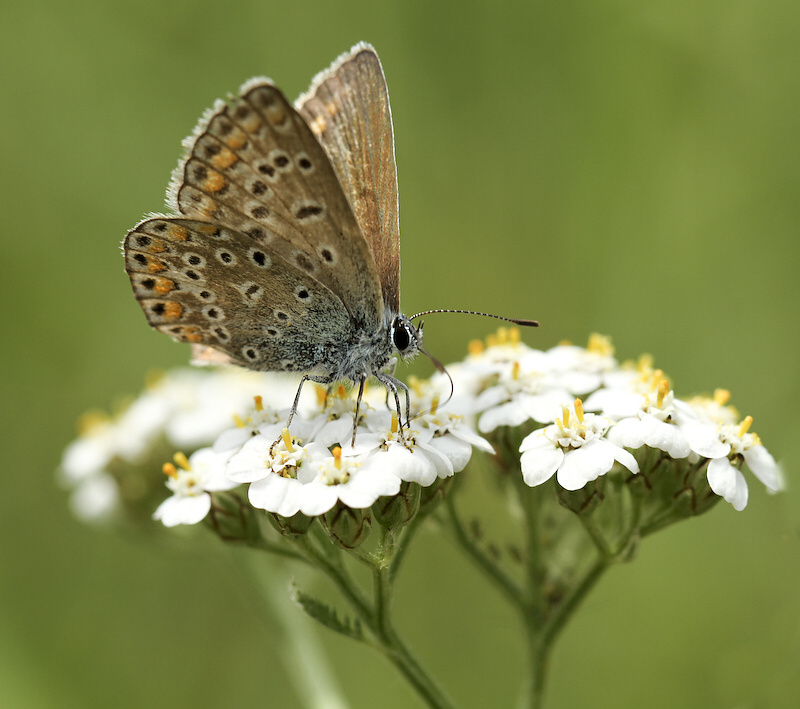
x=665, y=436
x=628, y=432
x=95, y=499
x=271, y=493
x=455, y=449
x=545, y=407
x=509, y=414
x=704, y=439
x=539, y=463
x=589, y=462
x=407, y=465
x=180, y=509
x=764, y=467
x=728, y=482
x=465, y=433
x=623, y=457
x=367, y=486
x=317, y=498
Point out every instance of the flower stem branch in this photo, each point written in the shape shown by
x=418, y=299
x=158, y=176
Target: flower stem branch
x=504, y=582
x=376, y=617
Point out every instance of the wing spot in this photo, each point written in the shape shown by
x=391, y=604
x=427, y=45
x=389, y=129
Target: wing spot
x=328, y=255
x=143, y=241
x=258, y=188
x=194, y=259
x=221, y=333
x=259, y=258
x=250, y=354
x=214, y=313
x=302, y=294
x=259, y=212
x=256, y=233
x=281, y=161
x=304, y=163
x=272, y=331
x=192, y=274
x=226, y=257
x=281, y=316
x=304, y=262
x=267, y=170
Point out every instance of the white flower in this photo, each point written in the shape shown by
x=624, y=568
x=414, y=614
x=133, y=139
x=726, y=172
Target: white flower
x=581, y=370
x=406, y=454
x=95, y=499
x=287, y=478
x=518, y=396
x=726, y=446
x=654, y=425
x=451, y=435
x=190, y=483
x=574, y=448
x=233, y=439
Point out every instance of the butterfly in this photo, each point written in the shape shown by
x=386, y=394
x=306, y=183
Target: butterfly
x=284, y=250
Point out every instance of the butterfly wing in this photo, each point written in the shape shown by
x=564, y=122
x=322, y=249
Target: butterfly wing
x=347, y=108
x=212, y=286
x=254, y=166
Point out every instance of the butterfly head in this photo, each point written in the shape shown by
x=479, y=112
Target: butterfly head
x=405, y=337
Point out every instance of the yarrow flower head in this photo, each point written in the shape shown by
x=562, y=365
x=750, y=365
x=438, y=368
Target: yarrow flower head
x=727, y=446
x=191, y=481
x=235, y=420
x=574, y=448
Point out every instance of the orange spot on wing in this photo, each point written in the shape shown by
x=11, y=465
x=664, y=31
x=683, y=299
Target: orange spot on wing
x=224, y=159
x=164, y=285
x=192, y=334
x=214, y=182
x=154, y=265
x=172, y=310
x=318, y=125
x=237, y=139
x=178, y=232
x=251, y=123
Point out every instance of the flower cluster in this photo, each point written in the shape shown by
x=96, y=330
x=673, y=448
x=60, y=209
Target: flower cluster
x=577, y=415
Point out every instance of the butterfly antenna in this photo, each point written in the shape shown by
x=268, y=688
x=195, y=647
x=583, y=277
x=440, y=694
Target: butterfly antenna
x=517, y=321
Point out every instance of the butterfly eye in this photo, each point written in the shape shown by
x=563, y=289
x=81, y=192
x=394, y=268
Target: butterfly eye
x=402, y=334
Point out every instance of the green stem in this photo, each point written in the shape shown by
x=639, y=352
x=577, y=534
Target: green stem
x=541, y=636
x=504, y=582
x=377, y=620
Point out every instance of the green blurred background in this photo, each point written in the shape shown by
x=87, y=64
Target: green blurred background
x=624, y=167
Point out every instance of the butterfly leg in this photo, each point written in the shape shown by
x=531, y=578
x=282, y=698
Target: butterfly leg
x=306, y=378
x=393, y=385
x=358, y=406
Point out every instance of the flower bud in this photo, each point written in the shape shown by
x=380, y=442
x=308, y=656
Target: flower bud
x=398, y=510
x=295, y=526
x=346, y=526
x=432, y=495
x=585, y=500
x=233, y=520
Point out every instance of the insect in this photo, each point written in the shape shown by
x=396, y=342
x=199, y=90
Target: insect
x=284, y=250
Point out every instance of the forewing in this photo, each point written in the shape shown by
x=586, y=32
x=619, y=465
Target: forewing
x=347, y=108
x=209, y=285
x=254, y=166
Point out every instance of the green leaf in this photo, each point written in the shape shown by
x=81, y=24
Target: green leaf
x=326, y=615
